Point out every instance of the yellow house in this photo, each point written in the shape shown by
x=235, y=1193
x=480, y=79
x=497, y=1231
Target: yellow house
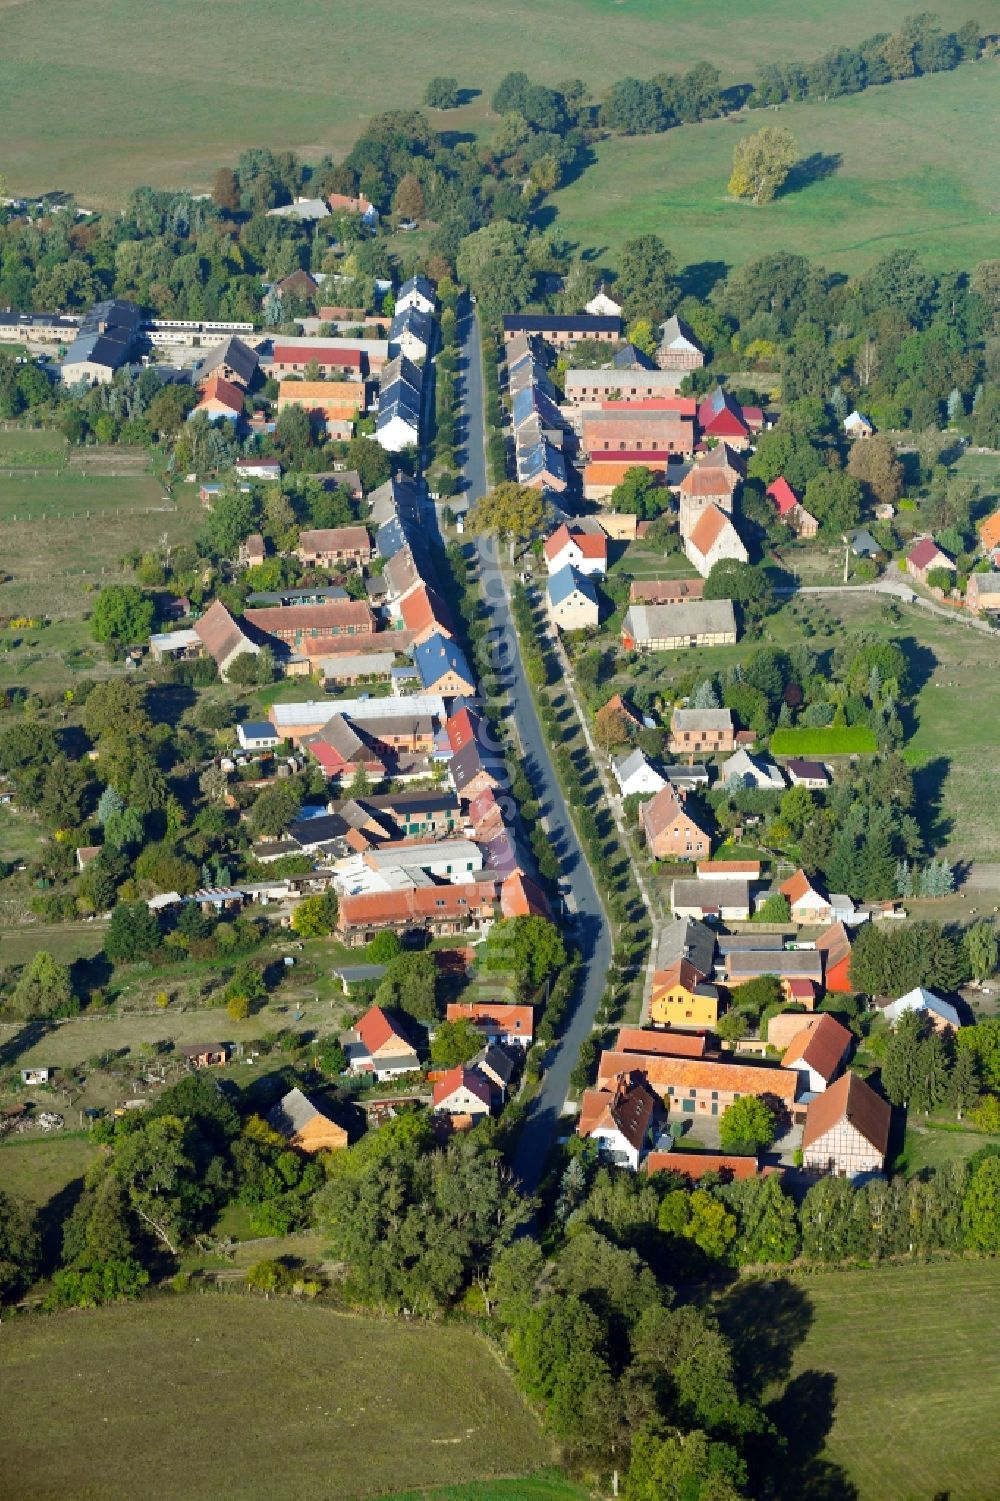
x=680, y=998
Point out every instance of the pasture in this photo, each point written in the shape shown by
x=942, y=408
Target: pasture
x=911, y=1364
x=199, y=88
x=914, y=170
x=153, y=1398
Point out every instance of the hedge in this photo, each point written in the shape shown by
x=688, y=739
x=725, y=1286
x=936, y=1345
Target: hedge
x=840, y=740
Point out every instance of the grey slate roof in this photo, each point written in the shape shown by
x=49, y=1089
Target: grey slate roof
x=685, y=938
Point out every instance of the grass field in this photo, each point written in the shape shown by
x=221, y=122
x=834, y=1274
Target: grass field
x=915, y=170
x=31, y=448
x=38, y=1169
x=159, y=1399
x=200, y=86
x=916, y=1365
x=850, y=740
x=528, y=1488
x=925, y=1147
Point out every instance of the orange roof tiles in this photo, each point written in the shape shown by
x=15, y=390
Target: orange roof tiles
x=695, y=1165
x=701, y=1074
x=223, y=391
x=820, y=1045
x=375, y=1029
x=668, y=1044
x=708, y=529
x=514, y=1021
x=416, y=904
x=852, y=1100
x=989, y=531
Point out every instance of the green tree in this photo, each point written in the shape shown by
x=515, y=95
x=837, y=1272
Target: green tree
x=669, y=1465
x=43, y=989
x=981, y=1207
x=123, y=615
x=834, y=498
x=965, y=1088
x=901, y=1065
x=383, y=948
x=710, y=1225
x=411, y=985
x=493, y=262
x=640, y=493
x=531, y=948
x=747, y=1125
x=160, y=1178
x=442, y=92
x=20, y=1245
x=981, y=947
x=767, y=1221
x=276, y=807
x=647, y=285
x=773, y=909
x=133, y=933
x=455, y=1042
x=316, y=916
x=761, y=164
x=269, y=1277
x=509, y=511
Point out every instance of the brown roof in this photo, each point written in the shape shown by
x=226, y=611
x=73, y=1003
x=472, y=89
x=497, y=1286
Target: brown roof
x=463, y=1077
x=216, y=388
x=700, y=1073
x=323, y=354
x=336, y=614
x=514, y=1020
x=421, y=608
x=749, y=868
x=835, y=943
x=708, y=529
x=695, y=1165
x=376, y=1028
x=797, y=886
x=336, y=539
x=711, y=481
x=820, y=1045
x=669, y=1044
x=724, y=457
x=521, y=897
x=850, y=1099
x=665, y=809
x=627, y=1108
x=665, y=591
x=417, y=904
x=219, y=633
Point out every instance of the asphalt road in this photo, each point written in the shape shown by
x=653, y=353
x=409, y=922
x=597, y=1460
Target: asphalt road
x=590, y=932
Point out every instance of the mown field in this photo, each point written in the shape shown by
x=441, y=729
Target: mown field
x=527, y=1488
x=908, y=165
x=202, y=81
x=237, y=1398
x=915, y=1365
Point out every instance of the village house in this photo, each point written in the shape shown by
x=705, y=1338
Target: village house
x=463, y=1091
x=442, y=668
x=604, y=472
x=221, y=401
x=627, y=431
x=343, y=750
x=728, y=900
x=304, y=1125
x=520, y=896
x=563, y=330
x=439, y=910
x=335, y=401
x=586, y=551
x=424, y=614
x=206, y=1054
x=673, y=1044
x=511, y=1025
x=222, y=637
x=678, y=348
x=806, y=904
x=617, y=712
x=253, y=551
x=713, y=538
x=329, y=546
x=571, y=600
x=345, y=362
x=257, y=735
x=635, y=775
x=835, y=945
x=846, y=1130
x=418, y=292
x=701, y=731
x=344, y=203
x=810, y=774
x=105, y=342
x=589, y=388
x=602, y=305
x=381, y=1046
x=721, y=416
x=696, y=1165
x=695, y=622
x=989, y=532
x=400, y=402
x=665, y=591
x=857, y=425
x=941, y=1015
x=621, y=1120
x=497, y=1067
x=790, y=508
x=294, y=624
x=235, y=361
x=671, y=831
x=728, y=870
x=817, y=1052
x=786, y=965
x=744, y=770
x=410, y=333
x=700, y=1086
x=474, y=769
x=924, y=556
x=983, y=592
x=680, y=994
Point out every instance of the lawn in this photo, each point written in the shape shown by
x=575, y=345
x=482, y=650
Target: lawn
x=928, y=1147
x=911, y=167
x=846, y=740
x=915, y=1361
x=530, y=1488
x=31, y=448
x=158, y=1399
x=200, y=86
x=40, y=1167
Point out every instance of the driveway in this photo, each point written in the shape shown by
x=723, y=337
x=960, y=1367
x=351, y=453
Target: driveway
x=503, y=660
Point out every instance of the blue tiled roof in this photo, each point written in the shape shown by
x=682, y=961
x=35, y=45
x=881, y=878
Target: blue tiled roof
x=562, y=584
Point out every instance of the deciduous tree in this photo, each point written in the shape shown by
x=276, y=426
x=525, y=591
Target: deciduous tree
x=761, y=164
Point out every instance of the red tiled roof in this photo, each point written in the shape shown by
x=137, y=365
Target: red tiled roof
x=695, y=1165
x=520, y=896
x=375, y=1029
x=797, y=886
x=628, y=1108
x=216, y=388
x=700, y=1073
x=706, y=480
x=850, y=1099
x=709, y=868
x=322, y=354
x=783, y=495
x=708, y=529
x=219, y=632
x=417, y=904
x=461, y=727
x=457, y=1078
x=835, y=942
x=820, y=1045
x=591, y=544
x=663, y=1044
x=514, y=1021
x=925, y=552
x=683, y=406
x=422, y=608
